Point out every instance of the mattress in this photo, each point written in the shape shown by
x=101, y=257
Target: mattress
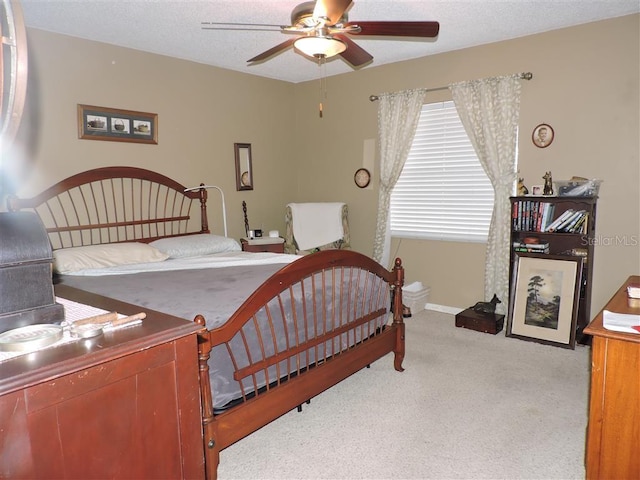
x=216, y=293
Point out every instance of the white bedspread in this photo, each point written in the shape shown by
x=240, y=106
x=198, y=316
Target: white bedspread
x=217, y=260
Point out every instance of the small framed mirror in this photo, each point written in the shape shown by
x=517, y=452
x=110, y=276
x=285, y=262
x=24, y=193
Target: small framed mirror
x=244, y=170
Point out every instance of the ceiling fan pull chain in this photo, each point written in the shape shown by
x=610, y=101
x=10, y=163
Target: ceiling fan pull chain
x=323, y=83
x=322, y=64
x=320, y=106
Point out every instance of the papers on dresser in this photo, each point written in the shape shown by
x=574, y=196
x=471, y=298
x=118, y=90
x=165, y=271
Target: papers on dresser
x=621, y=322
x=73, y=312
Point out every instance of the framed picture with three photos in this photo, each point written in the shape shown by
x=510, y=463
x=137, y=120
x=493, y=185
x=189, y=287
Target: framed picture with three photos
x=117, y=125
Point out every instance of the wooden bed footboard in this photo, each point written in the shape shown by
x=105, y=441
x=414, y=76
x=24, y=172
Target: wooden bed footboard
x=366, y=341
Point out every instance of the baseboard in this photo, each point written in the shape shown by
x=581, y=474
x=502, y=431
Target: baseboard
x=443, y=308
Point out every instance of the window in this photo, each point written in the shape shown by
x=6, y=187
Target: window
x=443, y=192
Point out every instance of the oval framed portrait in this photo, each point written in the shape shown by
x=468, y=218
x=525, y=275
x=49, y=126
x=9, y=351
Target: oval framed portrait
x=542, y=135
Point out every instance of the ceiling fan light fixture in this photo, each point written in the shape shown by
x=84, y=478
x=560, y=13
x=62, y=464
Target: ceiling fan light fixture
x=320, y=47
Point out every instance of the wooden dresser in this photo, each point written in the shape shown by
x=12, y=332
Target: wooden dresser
x=123, y=405
x=613, y=435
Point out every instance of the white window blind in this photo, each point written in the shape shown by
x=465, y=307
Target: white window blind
x=443, y=192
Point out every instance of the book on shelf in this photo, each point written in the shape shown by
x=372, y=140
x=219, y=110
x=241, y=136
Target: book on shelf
x=531, y=215
x=537, y=216
x=577, y=252
x=563, y=217
x=519, y=246
x=581, y=225
x=548, y=216
x=571, y=221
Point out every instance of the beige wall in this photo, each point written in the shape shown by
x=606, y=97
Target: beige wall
x=586, y=82
x=202, y=111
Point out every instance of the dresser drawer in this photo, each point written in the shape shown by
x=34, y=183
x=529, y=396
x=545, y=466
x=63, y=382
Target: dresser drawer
x=263, y=247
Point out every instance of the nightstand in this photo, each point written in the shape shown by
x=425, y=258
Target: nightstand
x=263, y=244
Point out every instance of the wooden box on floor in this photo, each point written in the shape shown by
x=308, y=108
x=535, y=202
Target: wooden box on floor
x=481, y=322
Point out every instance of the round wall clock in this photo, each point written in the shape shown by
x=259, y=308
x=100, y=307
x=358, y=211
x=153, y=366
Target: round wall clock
x=362, y=177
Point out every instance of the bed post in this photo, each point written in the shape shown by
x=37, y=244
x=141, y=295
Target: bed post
x=204, y=221
x=398, y=322
x=211, y=449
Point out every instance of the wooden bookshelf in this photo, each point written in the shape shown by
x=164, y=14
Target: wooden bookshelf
x=528, y=219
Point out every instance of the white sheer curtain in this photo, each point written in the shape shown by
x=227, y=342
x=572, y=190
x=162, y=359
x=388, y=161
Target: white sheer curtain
x=398, y=115
x=489, y=109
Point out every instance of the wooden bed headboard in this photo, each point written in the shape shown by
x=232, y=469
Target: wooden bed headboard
x=116, y=204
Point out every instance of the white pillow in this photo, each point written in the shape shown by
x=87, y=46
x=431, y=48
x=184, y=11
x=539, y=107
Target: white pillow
x=196, y=245
x=69, y=260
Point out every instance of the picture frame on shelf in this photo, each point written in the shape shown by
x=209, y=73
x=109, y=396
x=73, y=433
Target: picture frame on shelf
x=544, y=298
x=117, y=125
x=537, y=190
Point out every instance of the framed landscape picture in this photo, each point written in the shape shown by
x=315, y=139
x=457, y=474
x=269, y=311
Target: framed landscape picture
x=544, y=298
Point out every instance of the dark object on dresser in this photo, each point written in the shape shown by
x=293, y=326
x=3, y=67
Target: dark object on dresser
x=26, y=286
x=481, y=322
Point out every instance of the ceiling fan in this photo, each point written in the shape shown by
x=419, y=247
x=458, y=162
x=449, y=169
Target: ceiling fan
x=322, y=30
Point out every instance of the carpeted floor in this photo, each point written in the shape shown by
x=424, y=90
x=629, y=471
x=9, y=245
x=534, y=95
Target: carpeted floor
x=469, y=405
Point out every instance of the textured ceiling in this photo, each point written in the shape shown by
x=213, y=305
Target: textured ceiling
x=173, y=28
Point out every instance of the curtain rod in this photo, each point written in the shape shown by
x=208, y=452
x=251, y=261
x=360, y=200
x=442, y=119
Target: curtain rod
x=523, y=76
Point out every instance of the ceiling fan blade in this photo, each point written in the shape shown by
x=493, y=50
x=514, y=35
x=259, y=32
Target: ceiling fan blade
x=397, y=29
x=331, y=9
x=272, y=51
x=267, y=27
x=354, y=54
